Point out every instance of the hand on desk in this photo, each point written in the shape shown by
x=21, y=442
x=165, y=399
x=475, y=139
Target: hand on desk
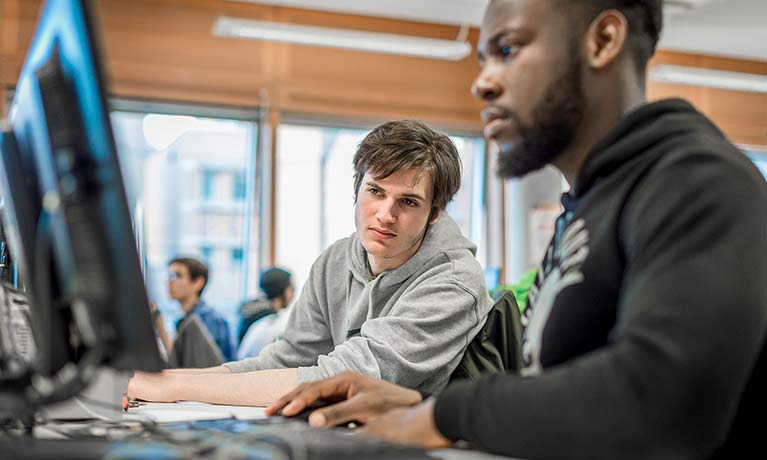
x=157, y=387
x=411, y=425
x=389, y=411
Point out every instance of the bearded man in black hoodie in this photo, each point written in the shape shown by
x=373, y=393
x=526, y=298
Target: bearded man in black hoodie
x=645, y=330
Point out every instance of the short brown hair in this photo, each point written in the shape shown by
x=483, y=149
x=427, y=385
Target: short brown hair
x=401, y=145
x=196, y=268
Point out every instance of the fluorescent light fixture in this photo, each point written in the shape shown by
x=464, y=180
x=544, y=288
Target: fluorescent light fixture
x=451, y=50
x=720, y=79
x=161, y=131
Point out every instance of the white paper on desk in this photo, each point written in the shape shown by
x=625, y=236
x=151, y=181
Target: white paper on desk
x=189, y=411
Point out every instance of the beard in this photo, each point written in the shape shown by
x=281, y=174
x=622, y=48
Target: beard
x=556, y=119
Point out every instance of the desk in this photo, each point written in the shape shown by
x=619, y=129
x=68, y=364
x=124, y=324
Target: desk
x=44, y=447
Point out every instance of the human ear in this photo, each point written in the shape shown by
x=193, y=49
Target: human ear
x=606, y=38
x=198, y=283
x=435, y=213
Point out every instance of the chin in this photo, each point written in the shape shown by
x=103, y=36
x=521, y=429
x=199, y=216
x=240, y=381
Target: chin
x=375, y=248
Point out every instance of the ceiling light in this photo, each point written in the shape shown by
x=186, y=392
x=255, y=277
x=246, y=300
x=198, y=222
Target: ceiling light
x=451, y=50
x=161, y=131
x=720, y=79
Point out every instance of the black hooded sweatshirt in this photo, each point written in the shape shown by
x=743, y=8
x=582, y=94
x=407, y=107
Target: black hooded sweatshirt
x=645, y=329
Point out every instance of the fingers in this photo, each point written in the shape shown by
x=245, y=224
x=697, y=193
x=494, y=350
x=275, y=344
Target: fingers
x=332, y=389
x=295, y=398
x=360, y=408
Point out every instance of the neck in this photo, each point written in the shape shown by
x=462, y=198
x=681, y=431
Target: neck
x=379, y=265
x=605, y=109
x=278, y=303
x=188, y=304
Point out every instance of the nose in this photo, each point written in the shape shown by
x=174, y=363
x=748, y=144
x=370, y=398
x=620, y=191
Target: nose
x=386, y=212
x=486, y=86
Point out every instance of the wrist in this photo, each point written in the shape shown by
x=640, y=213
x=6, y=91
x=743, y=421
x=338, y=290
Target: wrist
x=437, y=439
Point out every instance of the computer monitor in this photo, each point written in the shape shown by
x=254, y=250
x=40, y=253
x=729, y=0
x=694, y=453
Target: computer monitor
x=66, y=215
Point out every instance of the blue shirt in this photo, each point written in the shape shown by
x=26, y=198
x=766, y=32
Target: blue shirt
x=217, y=326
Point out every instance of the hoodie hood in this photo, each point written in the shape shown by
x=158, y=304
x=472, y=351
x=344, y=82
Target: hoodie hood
x=443, y=236
x=639, y=132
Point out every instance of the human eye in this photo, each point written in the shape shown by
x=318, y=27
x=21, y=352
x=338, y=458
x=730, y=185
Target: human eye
x=508, y=51
x=507, y=48
x=374, y=191
x=410, y=203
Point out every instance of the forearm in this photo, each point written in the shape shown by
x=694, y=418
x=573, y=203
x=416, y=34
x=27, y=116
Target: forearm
x=385, y=347
x=206, y=370
x=613, y=403
x=259, y=388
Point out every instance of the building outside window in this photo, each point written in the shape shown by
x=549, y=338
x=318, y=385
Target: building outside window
x=186, y=179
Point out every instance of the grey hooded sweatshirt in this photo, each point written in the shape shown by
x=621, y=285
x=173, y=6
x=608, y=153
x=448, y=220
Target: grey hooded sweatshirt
x=409, y=325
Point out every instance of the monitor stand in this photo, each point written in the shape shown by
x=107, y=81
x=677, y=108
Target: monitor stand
x=102, y=399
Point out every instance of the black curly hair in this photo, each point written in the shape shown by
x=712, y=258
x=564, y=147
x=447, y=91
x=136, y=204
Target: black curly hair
x=645, y=18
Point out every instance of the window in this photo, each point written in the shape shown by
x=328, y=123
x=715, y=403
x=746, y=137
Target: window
x=315, y=192
x=185, y=178
x=236, y=256
x=760, y=160
x=207, y=254
x=468, y=207
x=239, y=187
x=208, y=178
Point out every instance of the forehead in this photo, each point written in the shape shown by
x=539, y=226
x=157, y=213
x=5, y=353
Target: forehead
x=413, y=180
x=528, y=15
x=180, y=268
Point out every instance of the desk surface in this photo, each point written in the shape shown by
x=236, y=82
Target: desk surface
x=44, y=446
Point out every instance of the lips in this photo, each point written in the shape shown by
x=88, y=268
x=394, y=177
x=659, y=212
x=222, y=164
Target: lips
x=497, y=120
x=381, y=233
x=491, y=113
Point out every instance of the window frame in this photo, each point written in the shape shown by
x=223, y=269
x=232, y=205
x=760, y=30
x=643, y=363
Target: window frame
x=253, y=172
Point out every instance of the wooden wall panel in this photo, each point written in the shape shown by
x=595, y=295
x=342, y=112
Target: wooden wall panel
x=164, y=49
x=9, y=44
x=741, y=115
x=172, y=54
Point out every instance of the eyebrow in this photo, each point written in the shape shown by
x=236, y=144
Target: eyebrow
x=404, y=195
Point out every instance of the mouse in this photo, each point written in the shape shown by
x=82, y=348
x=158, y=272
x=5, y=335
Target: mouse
x=304, y=414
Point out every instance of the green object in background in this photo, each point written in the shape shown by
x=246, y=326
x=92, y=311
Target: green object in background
x=521, y=288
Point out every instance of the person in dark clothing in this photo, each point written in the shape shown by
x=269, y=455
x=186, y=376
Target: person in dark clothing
x=645, y=329
x=277, y=287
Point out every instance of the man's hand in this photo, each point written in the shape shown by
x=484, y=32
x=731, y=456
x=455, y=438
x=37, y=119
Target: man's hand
x=157, y=387
x=156, y=315
x=159, y=326
x=361, y=399
x=412, y=425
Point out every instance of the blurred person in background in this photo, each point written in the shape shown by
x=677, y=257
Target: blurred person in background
x=187, y=278
x=263, y=320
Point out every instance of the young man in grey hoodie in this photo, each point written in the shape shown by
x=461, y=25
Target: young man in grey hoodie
x=399, y=299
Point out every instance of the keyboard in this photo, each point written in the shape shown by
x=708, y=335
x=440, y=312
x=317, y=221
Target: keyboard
x=272, y=438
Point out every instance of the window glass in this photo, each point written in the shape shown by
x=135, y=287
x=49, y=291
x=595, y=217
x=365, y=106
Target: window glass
x=760, y=160
x=186, y=181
